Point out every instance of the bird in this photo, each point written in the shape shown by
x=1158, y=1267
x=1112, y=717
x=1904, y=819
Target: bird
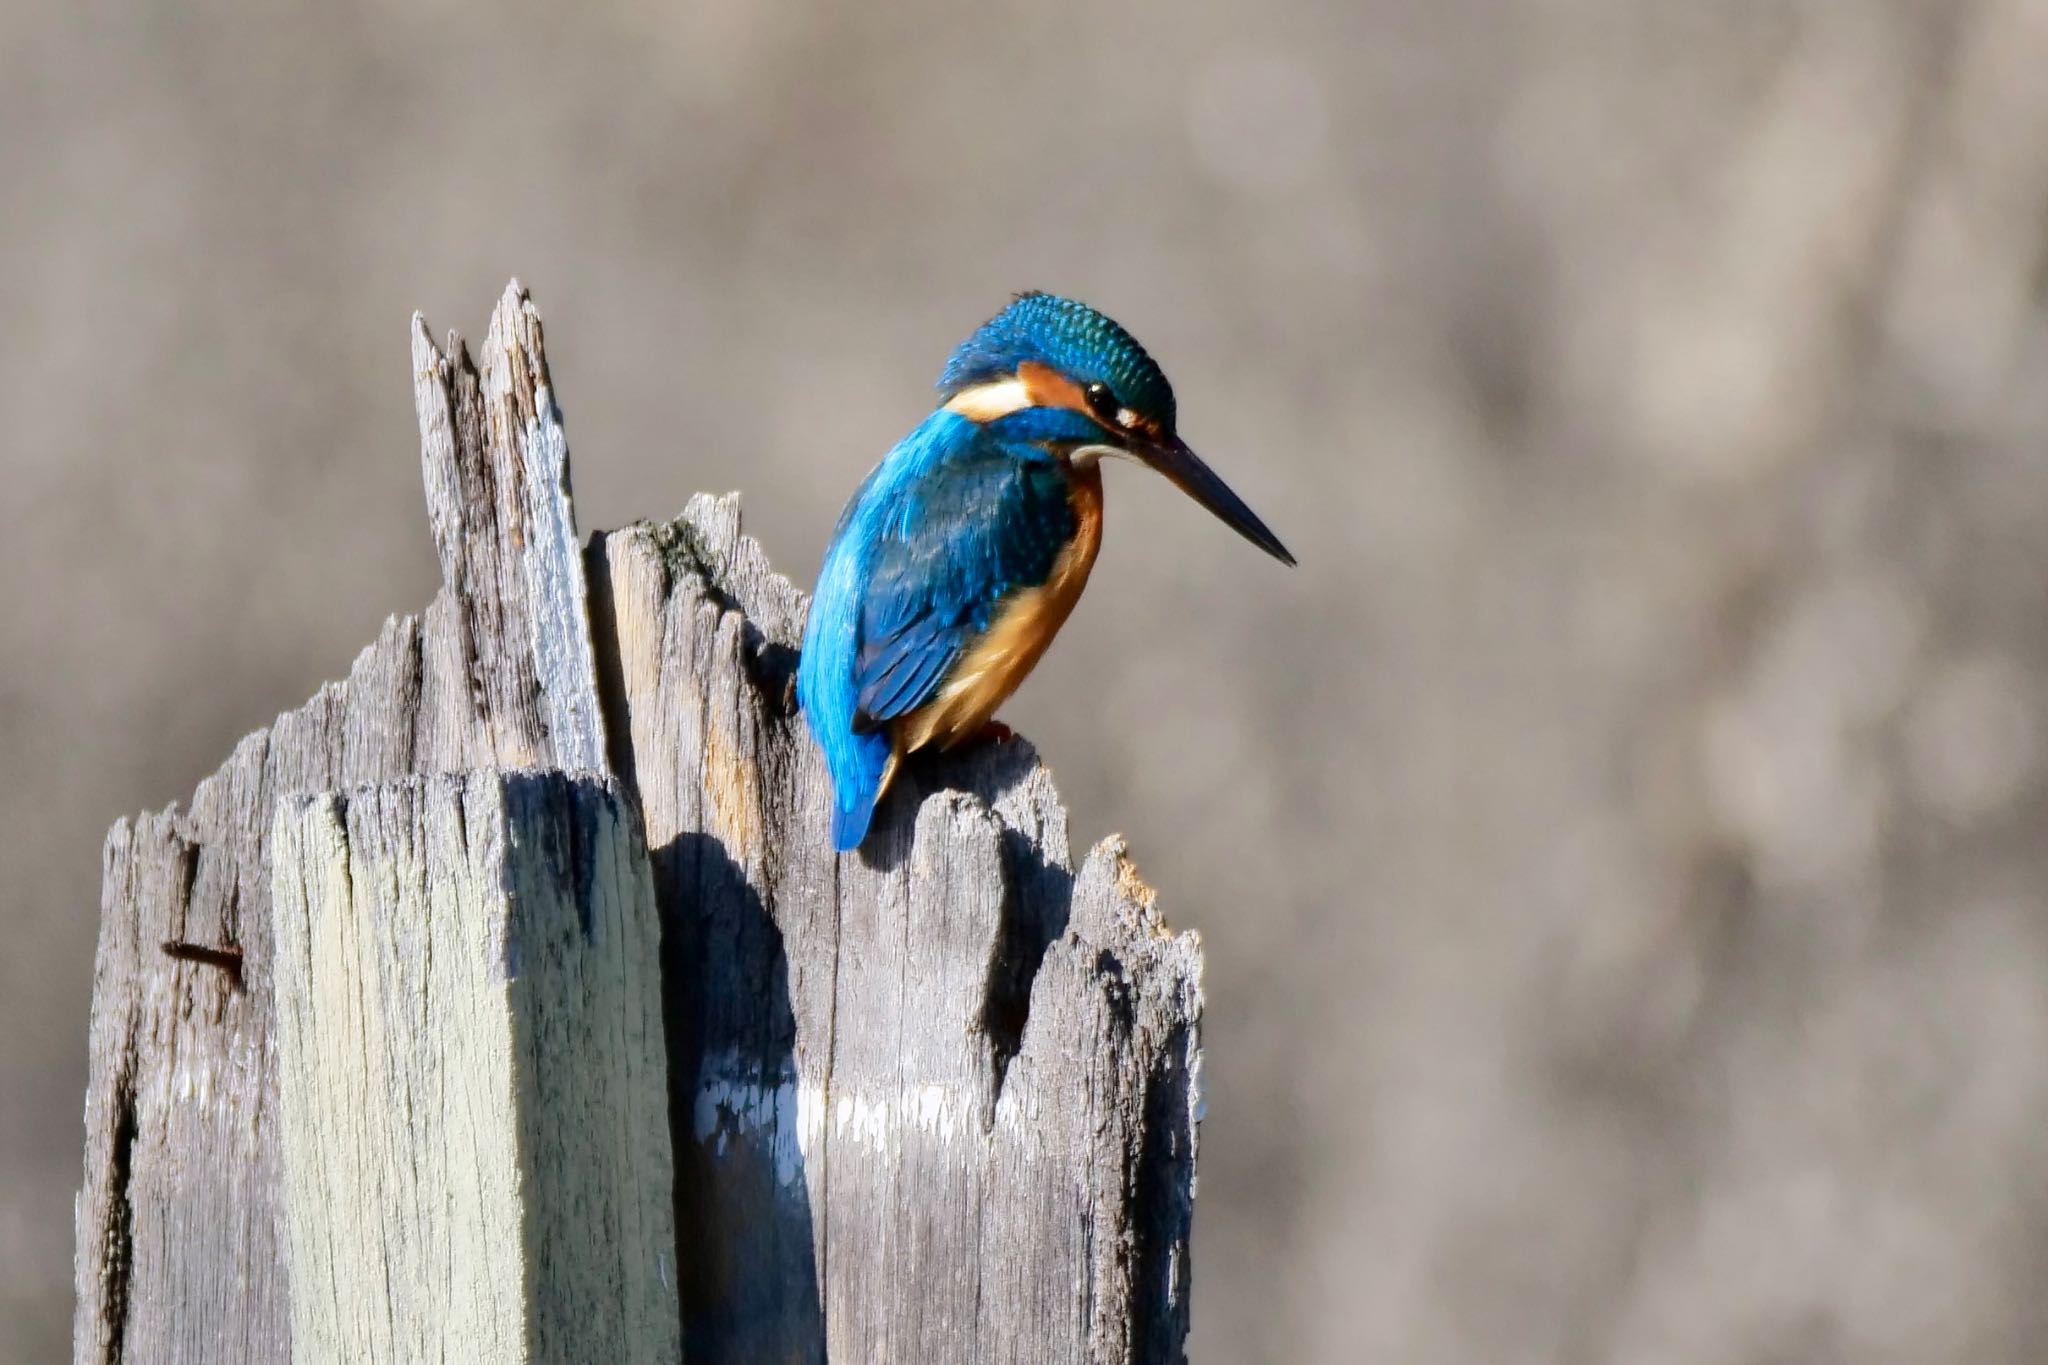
x=961, y=554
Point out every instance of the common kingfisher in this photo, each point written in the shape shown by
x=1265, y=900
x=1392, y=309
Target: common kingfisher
x=960, y=555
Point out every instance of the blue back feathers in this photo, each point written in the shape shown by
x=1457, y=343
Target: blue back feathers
x=1072, y=338
x=980, y=524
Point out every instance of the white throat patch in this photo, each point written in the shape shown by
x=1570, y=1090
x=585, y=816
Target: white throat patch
x=1088, y=456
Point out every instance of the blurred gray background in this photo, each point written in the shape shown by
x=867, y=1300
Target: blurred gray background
x=1619, y=845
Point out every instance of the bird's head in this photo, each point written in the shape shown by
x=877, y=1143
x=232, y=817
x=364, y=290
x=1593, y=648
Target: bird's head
x=1055, y=372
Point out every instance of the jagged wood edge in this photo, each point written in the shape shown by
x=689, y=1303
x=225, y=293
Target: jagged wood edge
x=178, y=1255
x=705, y=633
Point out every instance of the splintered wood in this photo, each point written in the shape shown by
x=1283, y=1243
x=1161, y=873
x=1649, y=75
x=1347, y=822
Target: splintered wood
x=179, y=1217
x=934, y=1101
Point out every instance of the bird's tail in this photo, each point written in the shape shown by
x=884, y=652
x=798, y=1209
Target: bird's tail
x=857, y=782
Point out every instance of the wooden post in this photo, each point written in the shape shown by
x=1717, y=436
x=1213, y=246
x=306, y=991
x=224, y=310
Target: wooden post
x=960, y=1078
x=179, y=1257
x=472, y=1076
x=933, y=1101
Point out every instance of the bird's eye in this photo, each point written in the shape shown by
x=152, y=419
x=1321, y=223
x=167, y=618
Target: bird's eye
x=1101, y=402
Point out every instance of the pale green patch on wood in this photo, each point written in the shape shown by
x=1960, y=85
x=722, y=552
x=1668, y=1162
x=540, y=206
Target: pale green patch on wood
x=472, y=1075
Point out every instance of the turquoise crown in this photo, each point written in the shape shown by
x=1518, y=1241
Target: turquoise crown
x=1080, y=343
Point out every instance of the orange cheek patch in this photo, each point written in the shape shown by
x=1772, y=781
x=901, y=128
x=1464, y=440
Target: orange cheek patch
x=1049, y=388
x=1046, y=387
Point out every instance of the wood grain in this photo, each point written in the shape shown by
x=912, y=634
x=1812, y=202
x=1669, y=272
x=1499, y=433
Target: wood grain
x=472, y=1074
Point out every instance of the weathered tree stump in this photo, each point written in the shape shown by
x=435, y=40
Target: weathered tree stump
x=933, y=1101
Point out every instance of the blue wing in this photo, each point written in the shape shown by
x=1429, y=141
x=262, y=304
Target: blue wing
x=951, y=521
x=972, y=530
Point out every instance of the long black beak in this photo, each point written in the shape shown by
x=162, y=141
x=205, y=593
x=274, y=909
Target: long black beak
x=1171, y=457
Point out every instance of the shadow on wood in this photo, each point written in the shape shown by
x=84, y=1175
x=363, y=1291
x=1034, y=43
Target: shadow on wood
x=749, y=1281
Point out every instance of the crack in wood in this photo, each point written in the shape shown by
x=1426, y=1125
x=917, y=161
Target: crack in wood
x=118, y=1260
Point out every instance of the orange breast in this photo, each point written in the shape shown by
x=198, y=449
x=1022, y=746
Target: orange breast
x=989, y=672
